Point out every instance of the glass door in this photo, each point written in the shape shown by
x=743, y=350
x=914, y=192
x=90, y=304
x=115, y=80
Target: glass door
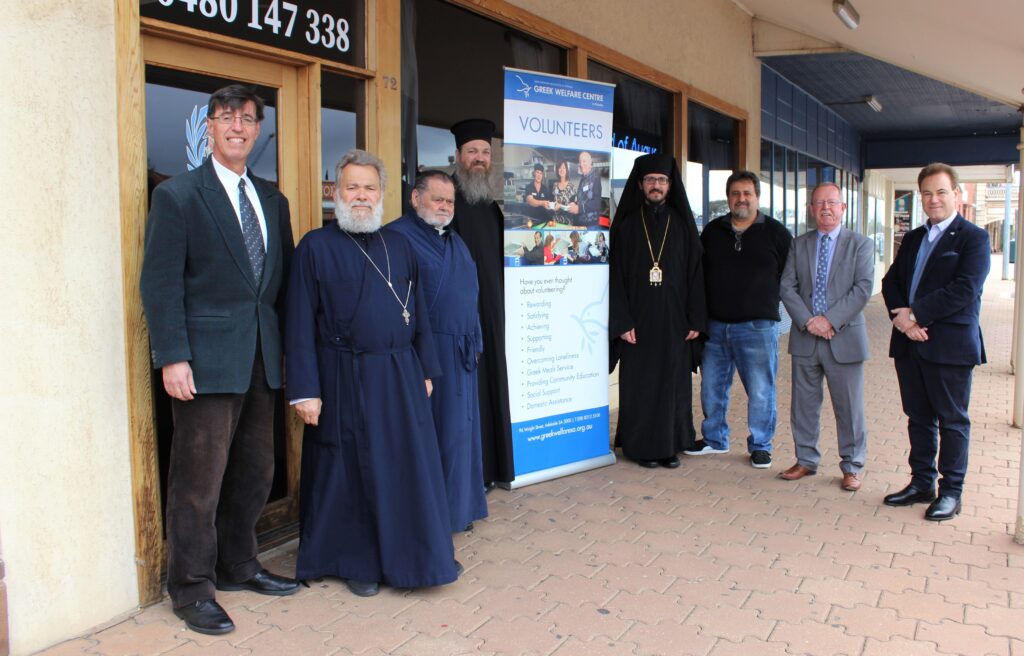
x=179, y=78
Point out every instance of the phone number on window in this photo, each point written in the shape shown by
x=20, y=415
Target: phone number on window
x=283, y=19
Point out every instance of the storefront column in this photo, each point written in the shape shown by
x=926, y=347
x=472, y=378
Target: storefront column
x=5, y=643
x=1018, y=366
x=384, y=92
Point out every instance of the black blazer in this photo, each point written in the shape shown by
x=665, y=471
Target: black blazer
x=201, y=300
x=948, y=301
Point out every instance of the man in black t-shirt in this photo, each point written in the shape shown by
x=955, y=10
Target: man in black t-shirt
x=744, y=255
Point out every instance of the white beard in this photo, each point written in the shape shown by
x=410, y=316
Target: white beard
x=434, y=220
x=349, y=223
x=475, y=187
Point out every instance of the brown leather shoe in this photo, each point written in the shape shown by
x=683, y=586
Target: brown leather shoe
x=851, y=482
x=796, y=472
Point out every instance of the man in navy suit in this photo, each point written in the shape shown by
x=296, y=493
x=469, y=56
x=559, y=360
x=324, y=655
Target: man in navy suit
x=933, y=291
x=218, y=248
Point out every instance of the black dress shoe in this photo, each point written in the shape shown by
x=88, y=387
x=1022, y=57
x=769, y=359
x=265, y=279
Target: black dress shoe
x=362, y=588
x=263, y=582
x=469, y=527
x=669, y=463
x=943, y=508
x=649, y=464
x=459, y=569
x=908, y=496
x=206, y=616
x=488, y=487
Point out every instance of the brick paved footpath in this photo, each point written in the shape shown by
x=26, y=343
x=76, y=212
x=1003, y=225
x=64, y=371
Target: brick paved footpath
x=712, y=558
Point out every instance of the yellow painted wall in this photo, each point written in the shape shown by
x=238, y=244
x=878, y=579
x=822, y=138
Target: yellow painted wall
x=65, y=492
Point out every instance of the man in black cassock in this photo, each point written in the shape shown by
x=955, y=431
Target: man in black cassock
x=657, y=312
x=360, y=354
x=450, y=286
x=480, y=223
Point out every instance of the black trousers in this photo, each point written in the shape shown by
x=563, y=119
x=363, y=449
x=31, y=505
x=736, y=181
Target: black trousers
x=935, y=398
x=222, y=468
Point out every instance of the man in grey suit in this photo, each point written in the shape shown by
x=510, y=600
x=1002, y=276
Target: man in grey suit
x=217, y=252
x=825, y=286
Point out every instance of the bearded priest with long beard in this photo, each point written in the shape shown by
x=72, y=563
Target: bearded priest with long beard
x=359, y=358
x=480, y=223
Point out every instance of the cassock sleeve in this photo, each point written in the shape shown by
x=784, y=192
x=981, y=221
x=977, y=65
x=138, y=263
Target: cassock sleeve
x=696, y=303
x=619, y=318
x=424, y=340
x=301, y=366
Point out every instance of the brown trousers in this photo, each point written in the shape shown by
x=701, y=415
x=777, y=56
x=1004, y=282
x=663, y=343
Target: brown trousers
x=222, y=468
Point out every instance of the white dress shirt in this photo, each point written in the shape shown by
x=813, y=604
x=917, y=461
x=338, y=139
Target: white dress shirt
x=230, y=179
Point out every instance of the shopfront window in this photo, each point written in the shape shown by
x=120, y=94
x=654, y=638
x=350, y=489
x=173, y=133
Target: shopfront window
x=713, y=157
x=766, y=179
x=641, y=122
x=802, y=192
x=340, y=99
x=176, y=142
x=452, y=62
x=176, y=138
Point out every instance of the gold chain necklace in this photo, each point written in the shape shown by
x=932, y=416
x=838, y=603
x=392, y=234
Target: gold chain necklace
x=387, y=279
x=656, y=275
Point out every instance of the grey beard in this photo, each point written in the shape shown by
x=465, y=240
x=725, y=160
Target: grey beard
x=348, y=223
x=475, y=187
x=743, y=213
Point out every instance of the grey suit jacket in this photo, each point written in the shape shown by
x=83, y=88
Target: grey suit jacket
x=850, y=279
x=201, y=300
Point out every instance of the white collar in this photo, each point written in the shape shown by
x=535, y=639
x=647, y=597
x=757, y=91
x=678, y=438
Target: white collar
x=229, y=178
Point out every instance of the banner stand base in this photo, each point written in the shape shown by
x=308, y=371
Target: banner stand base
x=543, y=475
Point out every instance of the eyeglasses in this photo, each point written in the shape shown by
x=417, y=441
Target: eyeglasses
x=659, y=180
x=229, y=119
x=738, y=244
x=823, y=203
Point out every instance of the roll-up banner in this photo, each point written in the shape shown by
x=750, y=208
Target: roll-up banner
x=557, y=151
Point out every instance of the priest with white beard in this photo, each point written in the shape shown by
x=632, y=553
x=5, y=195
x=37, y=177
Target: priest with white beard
x=359, y=357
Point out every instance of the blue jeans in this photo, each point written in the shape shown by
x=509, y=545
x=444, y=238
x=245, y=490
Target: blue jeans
x=752, y=348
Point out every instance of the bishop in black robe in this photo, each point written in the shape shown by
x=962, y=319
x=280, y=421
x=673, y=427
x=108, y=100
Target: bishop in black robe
x=654, y=324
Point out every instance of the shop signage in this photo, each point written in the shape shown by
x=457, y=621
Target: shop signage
x=557, y=129
x=331, y=29
x=637, y=142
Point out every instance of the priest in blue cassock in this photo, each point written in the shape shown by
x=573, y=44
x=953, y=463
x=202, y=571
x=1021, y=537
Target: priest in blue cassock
x=448, y=279
x=360, y=357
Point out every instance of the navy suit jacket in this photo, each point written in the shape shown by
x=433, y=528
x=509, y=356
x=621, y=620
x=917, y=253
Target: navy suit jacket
x=202, y=302
x=948, y=299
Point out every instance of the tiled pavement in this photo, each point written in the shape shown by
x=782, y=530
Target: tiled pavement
x=712, y=558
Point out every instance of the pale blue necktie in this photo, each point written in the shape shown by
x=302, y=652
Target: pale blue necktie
x=819, y=300
x=927, y=245
x=251, y=232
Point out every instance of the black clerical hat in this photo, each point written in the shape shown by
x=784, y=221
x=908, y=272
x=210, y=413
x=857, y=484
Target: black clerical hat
x=472, y=129
x=654, y=163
